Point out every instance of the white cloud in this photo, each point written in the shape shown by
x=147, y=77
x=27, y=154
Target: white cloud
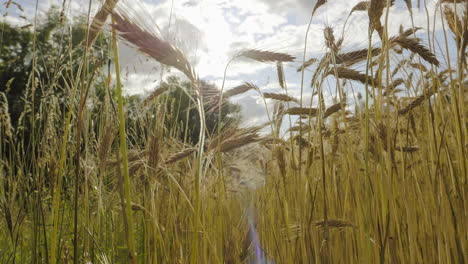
x=211, y=31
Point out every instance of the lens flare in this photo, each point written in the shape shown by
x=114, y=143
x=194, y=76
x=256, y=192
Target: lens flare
x=259, y=256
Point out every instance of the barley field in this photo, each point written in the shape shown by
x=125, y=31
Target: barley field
x=364, y=161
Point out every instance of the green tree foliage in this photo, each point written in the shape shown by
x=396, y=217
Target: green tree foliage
x=182, y=117
x=58, y=50
x=14, y=64
x=51, y=43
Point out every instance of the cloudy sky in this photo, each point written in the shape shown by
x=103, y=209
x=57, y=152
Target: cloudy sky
x=209, y=32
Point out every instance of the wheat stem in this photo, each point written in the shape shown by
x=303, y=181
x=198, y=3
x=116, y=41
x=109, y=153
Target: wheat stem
x=123, y=150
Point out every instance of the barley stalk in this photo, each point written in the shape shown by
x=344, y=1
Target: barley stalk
x=99, y=20
x=416, y=102
x=123, y=148
x=413, y=45
x=301, y=111
x=350, y=74
x=266, y=56
x=280, y=72
x=180, y=155
x=280, y=97
x=306, y=64
x=239, y=90
x=332, y=109
x=154, y=95
x=153, y=46
x=336, y=223
x=353, y=57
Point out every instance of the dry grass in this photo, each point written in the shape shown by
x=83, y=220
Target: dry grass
x=266, y=56
x=153, y=46
x=416, y=102
x=361, y=6
x=318, y=5
x=413, y=45
x=375, y=11
x=378, y=176
x=459, y=27
x=99, y=20
x=280, y=72
x=301, y=111
x=154, y=95
x=180, y=155
x=7, y=129
x=306, y=64
x=240, y=90
x=356, y=56
x=333, y=109
x=335, y=223
x=350, y=74
x=238, y=142
x=280, y=97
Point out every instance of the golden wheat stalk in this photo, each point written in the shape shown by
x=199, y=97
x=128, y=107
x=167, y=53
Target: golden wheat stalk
x=154, y=95
x=301, y=111
x=408, y=32
x=133, y=157
x=302, y=141
x=99, y=20
x=5, y=121
x=278, y=114
x=416, y=102
x=213, y=100
x=317, y=5
x=329, y=38
x=234, y=133
x=413, y=45
x=180, y=155
x=307, y=64
x=105, y=142
x=418, y=66
x=398, y=67
x=153, y=46
x=353, y=57
x=336, y=223
x=350, y=74
x=333, y=109
x=237, y=142
x=391, y=88
x=409, y=149
x=375, y=11
x=154, y=151
x=280, y=97
x=458, y=28
x=453, y=1
x=266, y=56
x=361, y=6
x=302, y=126
x=280, y=72
x=245, y=87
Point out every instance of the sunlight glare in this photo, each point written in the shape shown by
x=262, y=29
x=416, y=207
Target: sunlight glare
x=209, y=18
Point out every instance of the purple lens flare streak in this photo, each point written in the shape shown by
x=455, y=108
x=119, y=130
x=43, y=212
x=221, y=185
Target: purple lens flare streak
x=254, y=238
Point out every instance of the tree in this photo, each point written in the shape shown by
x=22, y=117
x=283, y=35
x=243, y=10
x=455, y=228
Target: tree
x=52, y=43
x=15, y=46
x=182, y=116
x=59, y=52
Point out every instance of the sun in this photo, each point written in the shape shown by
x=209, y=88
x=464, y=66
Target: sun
x=216, y=34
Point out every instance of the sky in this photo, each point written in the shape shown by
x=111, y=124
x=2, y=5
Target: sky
x=210, y=32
